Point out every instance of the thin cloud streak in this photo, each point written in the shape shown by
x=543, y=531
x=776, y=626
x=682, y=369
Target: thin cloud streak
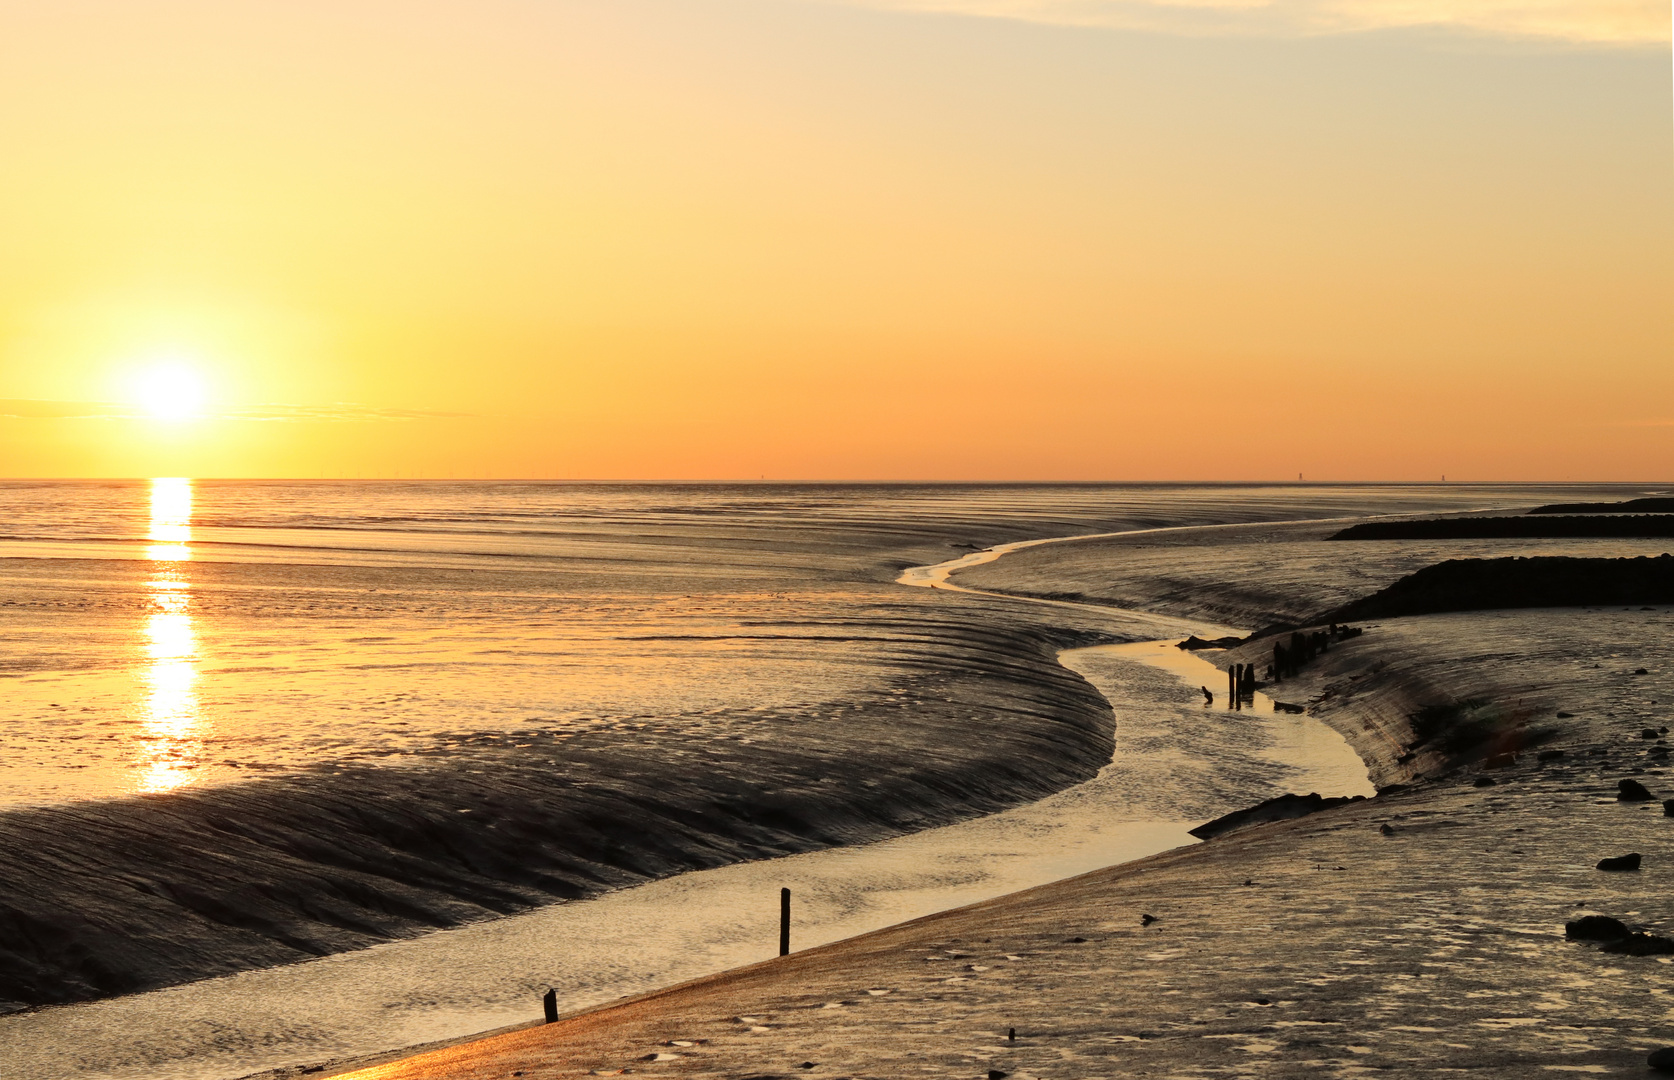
x=340, y=412
x=1596, y=22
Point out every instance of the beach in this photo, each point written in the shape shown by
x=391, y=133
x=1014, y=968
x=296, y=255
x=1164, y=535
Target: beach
x=963, y=641
x=1422, y=930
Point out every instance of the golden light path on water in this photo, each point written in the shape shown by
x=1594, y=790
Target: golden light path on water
x=170, y=746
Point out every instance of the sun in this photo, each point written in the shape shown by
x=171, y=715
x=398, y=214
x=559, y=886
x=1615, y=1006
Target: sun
x=169, y=391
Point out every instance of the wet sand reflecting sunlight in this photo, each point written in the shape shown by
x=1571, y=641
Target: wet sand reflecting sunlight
x=170, y=747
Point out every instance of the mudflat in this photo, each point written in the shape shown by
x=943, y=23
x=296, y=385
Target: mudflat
x=1418, y=931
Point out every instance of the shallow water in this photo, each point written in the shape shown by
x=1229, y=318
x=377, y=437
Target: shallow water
x=163, y=634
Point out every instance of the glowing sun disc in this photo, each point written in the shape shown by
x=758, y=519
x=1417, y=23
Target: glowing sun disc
x=173, y=392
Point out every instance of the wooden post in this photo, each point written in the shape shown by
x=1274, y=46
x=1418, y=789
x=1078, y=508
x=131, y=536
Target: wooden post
x=550, y=1004
x=784, y=922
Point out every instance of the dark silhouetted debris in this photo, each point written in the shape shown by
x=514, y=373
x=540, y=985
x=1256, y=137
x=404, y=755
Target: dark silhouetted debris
x=1620, y=862
x=1640, y=671
x=1194, y=643
x=1648, y=733
x=1639, y=945
x=1632, y=791
x=1147, y=920
x=1288, y=707
x=1662, y=1060
x=1283, y=808
x=1549, y=755
x=1386, y=829
x=1595, y=928
x=1485, y=781
x=997, y=1074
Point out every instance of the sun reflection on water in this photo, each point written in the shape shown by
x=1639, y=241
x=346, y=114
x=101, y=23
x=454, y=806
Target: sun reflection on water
x=170, y=743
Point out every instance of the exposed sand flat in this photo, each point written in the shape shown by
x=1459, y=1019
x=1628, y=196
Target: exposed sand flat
x=1315, y=947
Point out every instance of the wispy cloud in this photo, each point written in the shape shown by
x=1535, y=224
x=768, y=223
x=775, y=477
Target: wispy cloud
x=1613, y=22
x=339, y=412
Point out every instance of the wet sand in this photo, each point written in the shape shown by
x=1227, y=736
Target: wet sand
x=916, y=807
x=1415, y=932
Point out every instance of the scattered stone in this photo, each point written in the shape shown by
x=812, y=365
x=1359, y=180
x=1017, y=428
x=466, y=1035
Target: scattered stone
x=1596, y=928
x=1620, y=862
x=1648, y=733
x=1147, y=920
x=1668, y=808
x=1565, y=715
x=1632, y=791
x=1640, y=671
x=1662, y=1060
x=806, y=1065
x=1386, y=830
x=1289, y=707
x=997, y=1074
x=1486, y=781
x=1549, y=755
x=1262, y=1001
x=1077, y=941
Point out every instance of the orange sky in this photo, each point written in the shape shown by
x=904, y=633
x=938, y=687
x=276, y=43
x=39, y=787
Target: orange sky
x=962, y=239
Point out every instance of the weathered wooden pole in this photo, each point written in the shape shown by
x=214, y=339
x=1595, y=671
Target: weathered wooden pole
x=550, y=1004
x=784, y=922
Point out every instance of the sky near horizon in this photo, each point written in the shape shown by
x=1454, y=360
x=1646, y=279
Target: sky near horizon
x=890, y=239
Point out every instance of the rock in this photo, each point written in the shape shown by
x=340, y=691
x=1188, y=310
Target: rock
x=996, y=1074
x=1668, y=808
x=1386, y=830
x=1288, y=707
x=1662, y=1060
x=1565, y=715
x=1549, y=755
x=1194, y=643
x=1632, y=791
x=1486, y=781
x=1620, y=862
x=1639, y=945
x=1282, y=808
x=1640, y=671
x=1648, y=733
x=1147, y=920
x=1596, y=928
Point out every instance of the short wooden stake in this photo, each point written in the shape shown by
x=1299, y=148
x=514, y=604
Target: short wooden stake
x=784, y=922
x=550, y=1004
